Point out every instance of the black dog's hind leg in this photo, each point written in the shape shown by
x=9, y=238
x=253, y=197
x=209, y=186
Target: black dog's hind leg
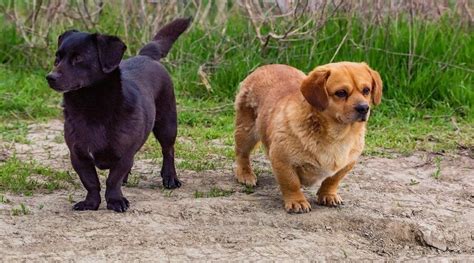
x=113, y=193
x=88, y=175
x=165, y=132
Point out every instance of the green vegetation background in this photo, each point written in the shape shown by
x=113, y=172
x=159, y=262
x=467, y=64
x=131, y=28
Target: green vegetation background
x=426, y=66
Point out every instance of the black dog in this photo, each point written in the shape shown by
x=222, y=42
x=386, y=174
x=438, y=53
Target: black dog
x=111, y=106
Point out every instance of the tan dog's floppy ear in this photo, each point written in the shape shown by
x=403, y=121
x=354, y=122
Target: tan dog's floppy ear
x=377, y=86
x=314, y=88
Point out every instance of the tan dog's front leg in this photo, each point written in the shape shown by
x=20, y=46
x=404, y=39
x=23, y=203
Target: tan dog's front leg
x=290, y=186
x=327, y=193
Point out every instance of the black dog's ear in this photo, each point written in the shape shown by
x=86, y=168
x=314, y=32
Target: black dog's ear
x=110, y=49
x=65, y=35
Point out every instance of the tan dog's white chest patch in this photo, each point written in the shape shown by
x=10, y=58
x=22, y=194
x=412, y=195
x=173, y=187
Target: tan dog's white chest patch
x=320, y=160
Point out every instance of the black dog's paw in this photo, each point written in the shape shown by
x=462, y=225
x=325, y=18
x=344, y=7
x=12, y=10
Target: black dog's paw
x=86, y=205
x=171, y=183
x=120, y=204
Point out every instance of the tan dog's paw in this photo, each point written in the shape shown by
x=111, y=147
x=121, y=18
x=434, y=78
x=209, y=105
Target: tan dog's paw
x=297, y=206
x=246, y=177
x=329, y=200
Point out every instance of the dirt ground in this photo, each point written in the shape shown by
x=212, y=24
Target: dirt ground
x=394, y=209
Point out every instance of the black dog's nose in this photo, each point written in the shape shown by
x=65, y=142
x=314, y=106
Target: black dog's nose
x=51, y=77
x=362, y=108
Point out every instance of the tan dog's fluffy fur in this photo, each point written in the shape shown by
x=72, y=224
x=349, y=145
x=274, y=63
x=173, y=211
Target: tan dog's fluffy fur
x=311, y=134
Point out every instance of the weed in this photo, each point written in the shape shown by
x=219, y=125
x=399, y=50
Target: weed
x=213, y=192
x=133, y=180
x=59, y=139
x=249, y=189
x=413, y=182
x=437, y=174
x=167, y=192
x=4, y=200
x=22, y=210
x=198, y=194
x=344, y=252
x=70, y=199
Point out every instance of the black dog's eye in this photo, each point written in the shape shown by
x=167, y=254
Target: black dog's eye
x=366, y=91
x=76, y=59
x=56, y=60
x=341, y=93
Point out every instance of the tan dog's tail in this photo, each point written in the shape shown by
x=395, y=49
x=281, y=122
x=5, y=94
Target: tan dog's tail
x=246, y=99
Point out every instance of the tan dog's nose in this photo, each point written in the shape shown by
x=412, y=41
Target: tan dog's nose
x=362, y=108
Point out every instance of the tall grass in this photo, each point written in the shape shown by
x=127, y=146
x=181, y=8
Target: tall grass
x=439, y=69
x=424, y=63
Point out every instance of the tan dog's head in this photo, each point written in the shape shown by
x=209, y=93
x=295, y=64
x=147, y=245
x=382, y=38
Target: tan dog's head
x=343, y=91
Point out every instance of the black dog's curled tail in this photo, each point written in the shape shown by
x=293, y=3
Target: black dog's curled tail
x=164, y=39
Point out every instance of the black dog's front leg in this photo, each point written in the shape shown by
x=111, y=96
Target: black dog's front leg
x=88, y=175
x=113, y=193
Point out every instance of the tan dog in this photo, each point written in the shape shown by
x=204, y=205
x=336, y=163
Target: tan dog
x=312, y=127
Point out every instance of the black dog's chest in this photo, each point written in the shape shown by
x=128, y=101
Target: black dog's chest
x=93, y=141
x=104, y=158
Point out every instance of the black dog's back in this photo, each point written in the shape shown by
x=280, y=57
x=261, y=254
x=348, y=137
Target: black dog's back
x=111, y=106
x=145, y=68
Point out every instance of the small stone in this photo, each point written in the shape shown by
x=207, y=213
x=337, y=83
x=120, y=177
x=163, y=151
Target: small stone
x=432, y=237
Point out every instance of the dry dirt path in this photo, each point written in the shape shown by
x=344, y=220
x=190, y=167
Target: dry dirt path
x=394, y=208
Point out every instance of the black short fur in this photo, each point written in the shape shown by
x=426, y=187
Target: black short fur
x=111, y=106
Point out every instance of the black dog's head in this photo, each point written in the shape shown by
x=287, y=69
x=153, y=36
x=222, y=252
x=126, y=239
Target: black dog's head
x=83, y=59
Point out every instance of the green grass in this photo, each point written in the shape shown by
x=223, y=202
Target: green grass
x=426, y=66
x=213, y=192
x=26, y=95
x=26, y=177
x=205, y=131
x=410, y=130
x=421, y=82
x=423, y=64
x=14, y=130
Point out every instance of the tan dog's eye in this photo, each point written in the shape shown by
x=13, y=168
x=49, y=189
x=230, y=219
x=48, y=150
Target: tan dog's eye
x=366, y=91
x=341, y=93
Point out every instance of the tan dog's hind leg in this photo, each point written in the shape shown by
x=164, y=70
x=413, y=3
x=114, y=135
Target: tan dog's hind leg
x=290, y=185
x=245, y=140
x=327, y=193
